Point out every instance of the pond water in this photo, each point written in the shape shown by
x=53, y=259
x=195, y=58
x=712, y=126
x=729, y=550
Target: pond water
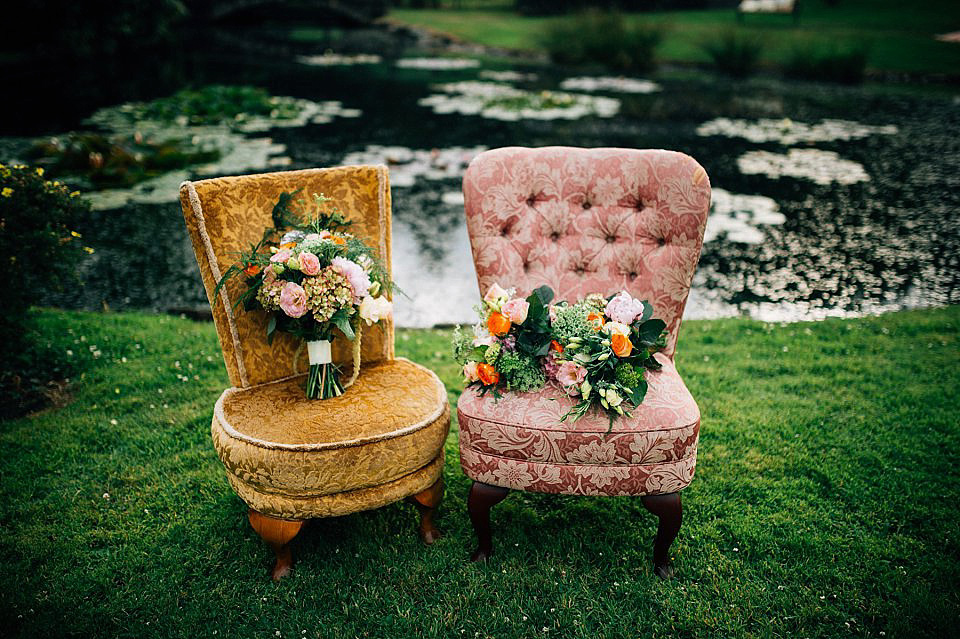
x=828, y=200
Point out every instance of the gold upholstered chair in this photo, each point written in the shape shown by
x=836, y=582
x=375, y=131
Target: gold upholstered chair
x=290, y=458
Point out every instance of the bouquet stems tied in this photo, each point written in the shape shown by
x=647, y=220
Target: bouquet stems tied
x=323, y=381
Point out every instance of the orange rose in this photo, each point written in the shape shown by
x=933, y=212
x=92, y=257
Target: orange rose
x=555, y=346
x=252, y=269
x=488, y=374
x=336, y=239
x=288, y=245
x=498, y=324
x=622, y=347
x=596, y=319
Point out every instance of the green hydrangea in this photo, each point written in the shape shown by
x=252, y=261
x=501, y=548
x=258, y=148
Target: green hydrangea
x=493, y=352
x=522, y=372
x=627, y=375
x=572, y=322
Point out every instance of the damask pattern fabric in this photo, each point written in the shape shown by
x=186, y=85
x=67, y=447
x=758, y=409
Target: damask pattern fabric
x=274, y=443
x=228, y=215
x=519, y=441
x=287, y=456
x=589, y=220
x=586, y=221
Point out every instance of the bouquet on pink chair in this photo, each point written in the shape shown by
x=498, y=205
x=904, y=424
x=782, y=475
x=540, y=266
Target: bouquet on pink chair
x=310, y=276
x=597, y=349
x=607, y=346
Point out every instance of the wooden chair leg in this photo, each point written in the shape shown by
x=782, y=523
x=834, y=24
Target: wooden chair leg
x=427, y=503
x=669, y=509
x=277, y=533
x=482, y=498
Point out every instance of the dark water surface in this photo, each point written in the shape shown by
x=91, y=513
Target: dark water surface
x=865, y=224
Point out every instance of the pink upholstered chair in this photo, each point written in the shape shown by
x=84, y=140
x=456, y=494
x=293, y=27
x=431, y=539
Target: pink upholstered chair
x=584, y=221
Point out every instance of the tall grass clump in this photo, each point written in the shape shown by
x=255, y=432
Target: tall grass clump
x=827, y=62
x=597, y=37
x=735, y=53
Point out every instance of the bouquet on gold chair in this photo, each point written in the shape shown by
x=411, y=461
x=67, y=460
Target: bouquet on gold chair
x=310, y=276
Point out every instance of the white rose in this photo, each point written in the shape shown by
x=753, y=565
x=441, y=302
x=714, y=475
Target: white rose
x=470, y=372
x=616, y=328
x=374, y=309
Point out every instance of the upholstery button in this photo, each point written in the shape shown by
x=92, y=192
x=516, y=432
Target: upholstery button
x=554, y=236
x=504, y=231
x=632, y=275
x=586, y=205
x=611, y=239
x=531, y=200
x=661, y=241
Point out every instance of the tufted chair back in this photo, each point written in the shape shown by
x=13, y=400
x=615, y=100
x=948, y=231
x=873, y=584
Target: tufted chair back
x=589, y=221
x=227, y=215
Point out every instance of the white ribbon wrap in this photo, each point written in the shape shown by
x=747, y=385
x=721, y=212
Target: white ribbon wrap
x=319, y=352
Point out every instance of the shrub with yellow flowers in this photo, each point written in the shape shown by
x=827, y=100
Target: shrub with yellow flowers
x=40, y=249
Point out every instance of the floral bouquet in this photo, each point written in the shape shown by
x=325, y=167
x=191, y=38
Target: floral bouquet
x=607, y=344
x=310, y=276
x=509, y=342
x=597, y=349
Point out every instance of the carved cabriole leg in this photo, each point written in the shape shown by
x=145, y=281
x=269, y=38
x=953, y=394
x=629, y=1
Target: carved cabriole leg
x=482, y=498
x=277, y=533
x=427, y=503
x=669, y=509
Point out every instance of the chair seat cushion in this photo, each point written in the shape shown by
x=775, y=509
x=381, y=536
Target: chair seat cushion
x=519, y=441
x=284, y=452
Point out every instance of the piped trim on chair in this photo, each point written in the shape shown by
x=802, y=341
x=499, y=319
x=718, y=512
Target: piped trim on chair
x=197, y=209
x=385, y=231
x=360, y=441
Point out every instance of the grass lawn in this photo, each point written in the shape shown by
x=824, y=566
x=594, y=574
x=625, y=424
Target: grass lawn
x=825, y=504
x=899, y=35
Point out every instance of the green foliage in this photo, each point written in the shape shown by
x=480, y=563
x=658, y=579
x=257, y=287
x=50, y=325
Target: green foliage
x=38, y=244
x=806, y=486
x=603, y=38
x=735, y=53
x=96, y=161
x=523, y=372
x=40, y=251
x=217, y=103
x=827, y=62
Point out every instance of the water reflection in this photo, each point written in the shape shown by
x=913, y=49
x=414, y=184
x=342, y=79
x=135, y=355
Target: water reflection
x=864, y=222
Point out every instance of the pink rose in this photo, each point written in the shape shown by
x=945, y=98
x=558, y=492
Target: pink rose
x=309, y=264
x=571, y=374
x=293, y=300
x=516, y=310
x=623, y=308
x=281, y=256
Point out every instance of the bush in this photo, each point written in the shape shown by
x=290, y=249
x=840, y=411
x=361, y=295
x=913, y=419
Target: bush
x=40, y=251
x=603, y=38
x=827, y=62
x=735, y=53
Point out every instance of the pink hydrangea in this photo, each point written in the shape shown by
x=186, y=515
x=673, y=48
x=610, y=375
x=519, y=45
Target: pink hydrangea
x=623, y=308
x=281, y=256
x=571, y=375
x=293, y=300
x=309, y=264
x=358, y=278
